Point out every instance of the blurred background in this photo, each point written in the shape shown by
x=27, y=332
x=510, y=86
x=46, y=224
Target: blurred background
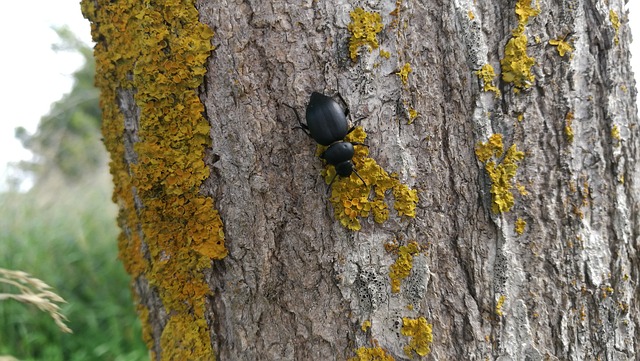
x=57, y=221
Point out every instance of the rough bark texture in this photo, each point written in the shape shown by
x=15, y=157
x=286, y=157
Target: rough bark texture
x=296, y=285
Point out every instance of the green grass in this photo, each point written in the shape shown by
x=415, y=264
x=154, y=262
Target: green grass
x=66, y=236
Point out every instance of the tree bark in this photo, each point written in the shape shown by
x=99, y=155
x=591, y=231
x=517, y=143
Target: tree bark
x=525, y=235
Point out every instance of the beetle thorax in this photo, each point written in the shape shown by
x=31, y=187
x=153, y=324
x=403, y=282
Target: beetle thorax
x=338, y=152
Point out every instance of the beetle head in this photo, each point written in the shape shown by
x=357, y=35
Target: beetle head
x=344, y=169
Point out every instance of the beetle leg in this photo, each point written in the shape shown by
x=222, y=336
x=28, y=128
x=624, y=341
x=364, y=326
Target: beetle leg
x=346, y=111
x=346, y=106
x=304, y=129
x=358, y=143
x=302, y=126
x=353, y=127
x=330, y=183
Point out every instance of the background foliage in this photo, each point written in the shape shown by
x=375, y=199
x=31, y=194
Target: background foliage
x=67, y=142
x=64, y=232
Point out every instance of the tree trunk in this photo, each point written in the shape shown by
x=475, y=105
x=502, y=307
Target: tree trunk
x=499, y=219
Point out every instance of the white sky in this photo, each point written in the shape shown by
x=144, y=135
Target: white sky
x=32, y=76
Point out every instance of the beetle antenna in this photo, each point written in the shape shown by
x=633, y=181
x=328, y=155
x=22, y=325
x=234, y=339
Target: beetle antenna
x=365, y=183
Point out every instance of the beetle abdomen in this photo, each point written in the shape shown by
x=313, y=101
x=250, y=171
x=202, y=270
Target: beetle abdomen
x=326, y=120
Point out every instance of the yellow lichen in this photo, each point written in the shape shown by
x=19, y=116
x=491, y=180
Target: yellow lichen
x=351, y=198
x=185, y=337
x=147, y=335
x=492, y=148
x=156, y=53
x=615, y=22
x=583, y=313
x=524, y=10
x=413, y=114
x=471, y=15
x=500, y=173
x=615, y=133
x=578, y=212
x=516, y=64
x=365, y=326
x=487, y=74
x=520, y=224
x=364, y=28
x=522, y=189
x=568, y=130
x=385, y=54
x=561, y=45
x=404, y=73
x=499, y=305
x=371, y=354
x=401, y=268
x=391, y=246
x=607, y=291
x=395, y=13
x=421, y=337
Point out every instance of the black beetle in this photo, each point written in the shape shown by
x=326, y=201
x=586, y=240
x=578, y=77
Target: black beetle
x=327, y=124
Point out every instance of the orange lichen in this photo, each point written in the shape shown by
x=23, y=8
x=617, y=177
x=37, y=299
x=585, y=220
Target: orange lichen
x=156, y=54
x=351, y=198
x=185, y=337
x=143, y=315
